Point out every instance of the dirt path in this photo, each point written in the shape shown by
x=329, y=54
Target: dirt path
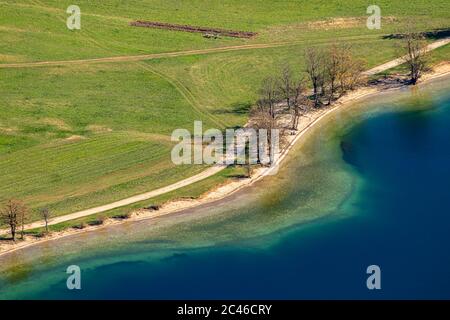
x=399, y=61
x=146, y=56
x=138, y=198
x=383, y=67
x=170, y=54
x=203, y=175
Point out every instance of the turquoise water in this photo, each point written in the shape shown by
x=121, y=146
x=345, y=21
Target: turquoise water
x=370, y=186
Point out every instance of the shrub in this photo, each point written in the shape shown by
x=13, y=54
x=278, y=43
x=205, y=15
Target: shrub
x=122, y=216
x=81, y=225
x=97, y=222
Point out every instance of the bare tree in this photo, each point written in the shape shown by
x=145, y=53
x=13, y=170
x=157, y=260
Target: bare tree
x=300, y=103
x=12, y=214
x=263, y=120
x=355, y=72
x=332, y=67
x=269, y=96
x=349, y=70
x=45, y=213
x=287, y=85
x=315, y=70
x=416, y=56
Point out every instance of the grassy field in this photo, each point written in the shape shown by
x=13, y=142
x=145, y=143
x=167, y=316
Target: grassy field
x=218, y=84
x=36, y=29
x=77, y=136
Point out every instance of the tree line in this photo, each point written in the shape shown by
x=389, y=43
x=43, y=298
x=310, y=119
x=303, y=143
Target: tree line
x=330, y=71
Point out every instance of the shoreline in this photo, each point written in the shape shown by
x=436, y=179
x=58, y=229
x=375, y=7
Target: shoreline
x=222, y=191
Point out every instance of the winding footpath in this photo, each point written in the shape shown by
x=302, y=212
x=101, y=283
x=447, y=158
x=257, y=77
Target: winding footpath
x=208, y=172
x=401, y=60
x=143, y=57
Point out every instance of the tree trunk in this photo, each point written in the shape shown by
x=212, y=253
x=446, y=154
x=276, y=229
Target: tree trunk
x=22, y=230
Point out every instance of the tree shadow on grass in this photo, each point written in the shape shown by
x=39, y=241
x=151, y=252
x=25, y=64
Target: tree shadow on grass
x=237, y=108
x=5, y=238
x=435, y=34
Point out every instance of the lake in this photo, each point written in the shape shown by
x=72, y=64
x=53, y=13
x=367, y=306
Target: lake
x=369, y=186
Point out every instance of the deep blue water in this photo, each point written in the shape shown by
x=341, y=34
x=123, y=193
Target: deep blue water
x=400, y=220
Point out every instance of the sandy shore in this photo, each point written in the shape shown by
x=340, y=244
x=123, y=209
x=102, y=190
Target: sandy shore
x=220, y=192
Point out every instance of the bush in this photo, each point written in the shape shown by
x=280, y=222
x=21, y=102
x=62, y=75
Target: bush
x=122, y=216
x=81, y=225
x=97, y=222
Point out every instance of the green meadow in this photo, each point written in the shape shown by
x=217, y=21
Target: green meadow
x=78, y=136
x=36, y=30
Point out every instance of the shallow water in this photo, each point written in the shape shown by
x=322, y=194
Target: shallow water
x=370, y=186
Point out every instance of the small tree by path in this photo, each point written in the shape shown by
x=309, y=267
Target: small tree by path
x=45, y=213
x=416, y=55
x=12, y=214
x=23, y=216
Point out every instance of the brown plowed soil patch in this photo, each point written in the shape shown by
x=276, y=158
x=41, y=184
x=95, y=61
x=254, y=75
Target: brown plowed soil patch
x=188, y=28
